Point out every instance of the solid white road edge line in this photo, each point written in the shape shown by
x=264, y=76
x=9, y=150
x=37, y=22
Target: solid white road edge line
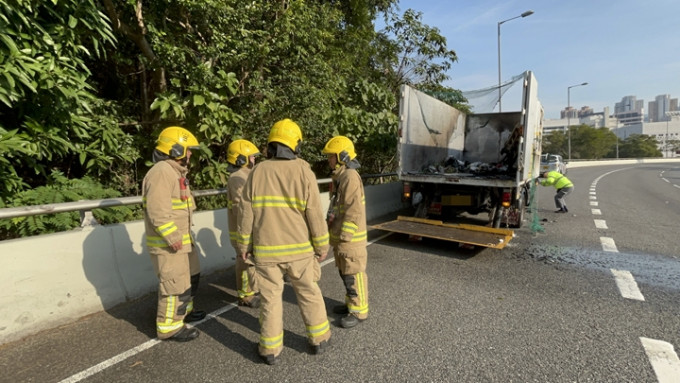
x=148, y=344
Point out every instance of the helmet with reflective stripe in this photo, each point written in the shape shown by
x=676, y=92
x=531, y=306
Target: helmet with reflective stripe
x=174, y=141
x=342, y=147
x=286, y=132
x=239, y=151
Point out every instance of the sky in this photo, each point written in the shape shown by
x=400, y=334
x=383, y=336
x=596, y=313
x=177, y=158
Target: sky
x=620, y=48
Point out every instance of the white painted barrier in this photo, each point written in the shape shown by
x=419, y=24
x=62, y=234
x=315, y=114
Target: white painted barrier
x=632, y=161
x=54, y=279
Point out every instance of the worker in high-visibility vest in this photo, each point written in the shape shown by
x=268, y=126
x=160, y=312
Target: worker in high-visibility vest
x=563, y=185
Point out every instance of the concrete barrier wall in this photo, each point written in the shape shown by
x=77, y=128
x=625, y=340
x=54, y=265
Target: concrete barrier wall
x=54, y=279
x=632, y=161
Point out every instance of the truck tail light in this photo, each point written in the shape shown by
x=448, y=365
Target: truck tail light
x=507, y=196
x=406, y=192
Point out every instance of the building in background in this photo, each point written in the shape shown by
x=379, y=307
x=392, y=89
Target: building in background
x=662, y=103
x=662, y=123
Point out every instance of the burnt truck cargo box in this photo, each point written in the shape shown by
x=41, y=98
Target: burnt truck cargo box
x=433, y=132
x=454, y=163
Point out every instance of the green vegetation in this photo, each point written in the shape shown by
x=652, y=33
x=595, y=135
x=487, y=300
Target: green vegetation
x=598, y=143
x=86, y=86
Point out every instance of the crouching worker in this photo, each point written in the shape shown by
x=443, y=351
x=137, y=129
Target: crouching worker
x=563, y=186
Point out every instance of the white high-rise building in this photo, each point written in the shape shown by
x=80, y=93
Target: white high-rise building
x=661, y=104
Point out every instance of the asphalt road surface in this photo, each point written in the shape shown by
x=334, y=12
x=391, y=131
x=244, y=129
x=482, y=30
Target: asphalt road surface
x=581, y=297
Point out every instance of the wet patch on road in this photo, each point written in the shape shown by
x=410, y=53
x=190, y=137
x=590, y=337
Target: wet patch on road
x=649, y=269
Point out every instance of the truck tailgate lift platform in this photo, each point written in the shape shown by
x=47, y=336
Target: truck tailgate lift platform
x=463, y=233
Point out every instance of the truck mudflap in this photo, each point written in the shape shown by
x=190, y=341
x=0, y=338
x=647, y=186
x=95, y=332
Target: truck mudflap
x=463, y=233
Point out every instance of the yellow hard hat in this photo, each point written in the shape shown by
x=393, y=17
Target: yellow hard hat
x=286, y=132
x=239, y=151
x=342, y=147
x=174, y=141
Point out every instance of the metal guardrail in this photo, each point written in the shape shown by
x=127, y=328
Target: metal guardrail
x=85, y=207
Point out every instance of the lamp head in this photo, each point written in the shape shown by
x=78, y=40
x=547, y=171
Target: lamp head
x=527, y=13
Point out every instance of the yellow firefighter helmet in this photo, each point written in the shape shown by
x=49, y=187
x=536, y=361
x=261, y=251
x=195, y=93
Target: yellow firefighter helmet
x=342, y=147
x=174, y=141
x=239, y=151
x=286, y=132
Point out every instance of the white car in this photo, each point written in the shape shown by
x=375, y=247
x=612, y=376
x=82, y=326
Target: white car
x=550, y=162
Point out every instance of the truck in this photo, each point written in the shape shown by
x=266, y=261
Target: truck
x=456, y=167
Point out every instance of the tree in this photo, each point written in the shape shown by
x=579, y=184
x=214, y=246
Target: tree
x=414, y=53
x=671, y=146
x=49, y=115
x=587, y=142
x=591, y=143
x=85, y=96
x=555, y=142
x=638, y=146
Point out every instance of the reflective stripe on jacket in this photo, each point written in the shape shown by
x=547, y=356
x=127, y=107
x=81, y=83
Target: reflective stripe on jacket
x=348, y=228
x=557, y=179
x=235, y=185
x=167, y=207
x=280, y=213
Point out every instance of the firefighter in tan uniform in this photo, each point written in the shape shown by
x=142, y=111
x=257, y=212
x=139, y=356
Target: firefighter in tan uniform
x=241, y=159
x=347, y=227
x=283, y=225
x=168, y=205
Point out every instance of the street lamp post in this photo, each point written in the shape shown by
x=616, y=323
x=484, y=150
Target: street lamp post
x=569, y=115
x=665, y=141
x=500, y=94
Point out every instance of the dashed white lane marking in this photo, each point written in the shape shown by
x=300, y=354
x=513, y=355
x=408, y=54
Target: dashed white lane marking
x=148, y=344
x=608, y=244
x=627, y=285
x=661, y=354
x=601, y=224
x=663, y=358
x=594, y=203
x=596, y=211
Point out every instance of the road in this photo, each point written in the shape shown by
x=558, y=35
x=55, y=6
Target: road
x=592, y=298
